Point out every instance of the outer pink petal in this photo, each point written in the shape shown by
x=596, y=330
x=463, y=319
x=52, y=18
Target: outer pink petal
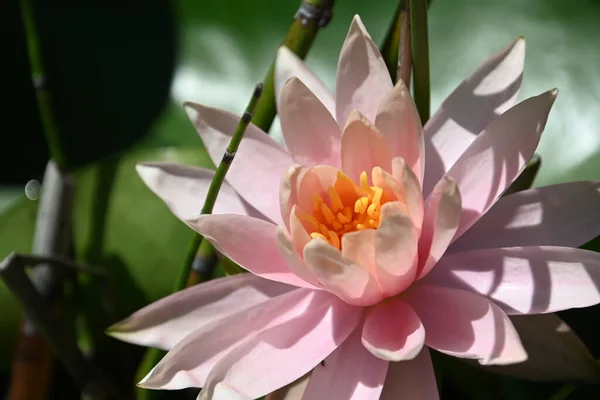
x=363, y=147
x=286, y=352
x=396, y=246
x=190, y=361
x=466, y=325
x=393, y=331
x=557, y=215
x=349, y=373
x=362, y=77
x=260, y=161
x=291, y=256
x=442, y=216
x=474, y=104
x=498, y=156
x=250, y=242
x=183, y=188
x=411, y=379
x=310, y=132
x=341, y=275
x=165, y=322
x=400, y=124
x=525, y=280
x=288, y=65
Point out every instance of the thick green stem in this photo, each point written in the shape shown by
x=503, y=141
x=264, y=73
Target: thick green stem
x=201, y=251
x=312, y=15
x=396, y=49
x=38, y=78
x=420, y=57
x=198, y=255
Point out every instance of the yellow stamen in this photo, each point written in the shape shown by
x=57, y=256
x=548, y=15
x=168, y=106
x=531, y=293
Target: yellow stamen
x=317, y=235
x=336, y=202
x=327, y=213
x=311, y=220
x=317, y=200
x=324, y=230
x=350, y=208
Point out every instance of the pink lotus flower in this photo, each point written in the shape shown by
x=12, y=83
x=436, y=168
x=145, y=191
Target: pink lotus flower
x=370, y=239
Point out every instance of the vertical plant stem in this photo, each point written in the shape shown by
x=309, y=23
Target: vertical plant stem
x=396, y=48
x=32, y=362
x=201, y=251
x=38, y=79
x=311, y=16
x=420, y=57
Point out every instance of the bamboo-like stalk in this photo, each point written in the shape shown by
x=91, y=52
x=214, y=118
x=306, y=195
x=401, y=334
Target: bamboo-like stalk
x=420, y=57
x=311, y=16
x=396, y=48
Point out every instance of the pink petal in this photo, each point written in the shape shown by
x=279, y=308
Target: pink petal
x=362, y=77
x=393, y=331
x=288, y=65
x=557, y=215
x=411, y=379
x=288, y=191
x=360, y=247
x=341, y=275
x=475, y=103
x=190, y=361
x=310, y=132
x=260, y=161
x=183, y=188
x=412, y=189
x=250, y=242
x=349, y=373
x=165, y=322
x=400, y=124
x=363, y=147
x=498, y=155
x=294, y=262
x=525, y=280
x=284, y=353
x=396, y=246
x=442, y=216
x=466, y=325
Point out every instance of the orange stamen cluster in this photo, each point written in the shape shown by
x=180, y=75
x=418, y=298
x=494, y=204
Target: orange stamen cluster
x=349, y=208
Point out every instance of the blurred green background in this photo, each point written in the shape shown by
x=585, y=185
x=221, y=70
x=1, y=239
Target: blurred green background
x=119, y=71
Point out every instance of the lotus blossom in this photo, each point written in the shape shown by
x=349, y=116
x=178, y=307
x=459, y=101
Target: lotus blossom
x=369, y=239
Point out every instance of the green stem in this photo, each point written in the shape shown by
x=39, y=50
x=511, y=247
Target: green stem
x=312, y=15
x=198, y=254
x=38, y=78
x=420, y=56
x=200, y=251
x=396, y=49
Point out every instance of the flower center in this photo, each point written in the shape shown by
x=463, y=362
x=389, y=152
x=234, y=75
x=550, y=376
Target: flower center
x=349, y=208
